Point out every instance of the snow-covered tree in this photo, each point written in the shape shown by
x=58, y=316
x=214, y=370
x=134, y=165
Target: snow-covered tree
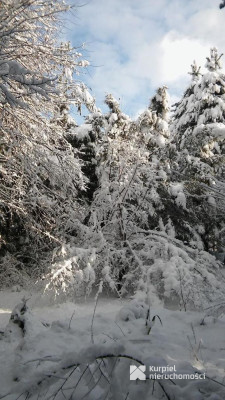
x=141, y=227
x=199, y=118
x=153, y=122
x=40, y=172
x=133, y=243
x=85, y=139
x=198, y=136
x=82, y=138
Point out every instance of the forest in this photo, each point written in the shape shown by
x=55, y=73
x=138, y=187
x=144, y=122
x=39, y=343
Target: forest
x=121, y=214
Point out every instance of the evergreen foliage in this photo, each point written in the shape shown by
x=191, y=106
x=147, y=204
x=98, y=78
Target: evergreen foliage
x=144, y=232
x=134, y=205
x=198, y=162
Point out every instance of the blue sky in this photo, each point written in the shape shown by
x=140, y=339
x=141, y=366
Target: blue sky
x=135, y=46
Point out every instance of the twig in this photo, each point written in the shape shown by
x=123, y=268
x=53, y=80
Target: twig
x=89, y=391
x=110, y=337
x=164, y=391
x=214, y=380
x=93, y=316
x=71, y=397
x=71, y=319
x=120, y=328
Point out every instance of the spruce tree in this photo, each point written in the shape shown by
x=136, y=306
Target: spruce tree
x=83, y=138
x=153, y=122
x=198, y=130
x=140, y=236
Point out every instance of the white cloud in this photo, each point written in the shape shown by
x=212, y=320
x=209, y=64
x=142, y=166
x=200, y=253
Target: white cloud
x=177, y=53
x=139, y=45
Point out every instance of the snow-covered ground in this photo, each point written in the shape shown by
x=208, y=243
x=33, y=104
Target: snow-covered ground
x=43, y=362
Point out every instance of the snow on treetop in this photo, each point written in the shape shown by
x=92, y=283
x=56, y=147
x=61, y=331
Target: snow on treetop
x=195, y=72
x=213, y=62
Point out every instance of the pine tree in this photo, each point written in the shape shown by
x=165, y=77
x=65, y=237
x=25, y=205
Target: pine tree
x=137, y=224
x=85, y=139
x=82, y=138
x=154, y=121
x=198, y=131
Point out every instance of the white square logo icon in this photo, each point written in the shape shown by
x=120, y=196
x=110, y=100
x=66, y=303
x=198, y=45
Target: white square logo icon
x=137, y=372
